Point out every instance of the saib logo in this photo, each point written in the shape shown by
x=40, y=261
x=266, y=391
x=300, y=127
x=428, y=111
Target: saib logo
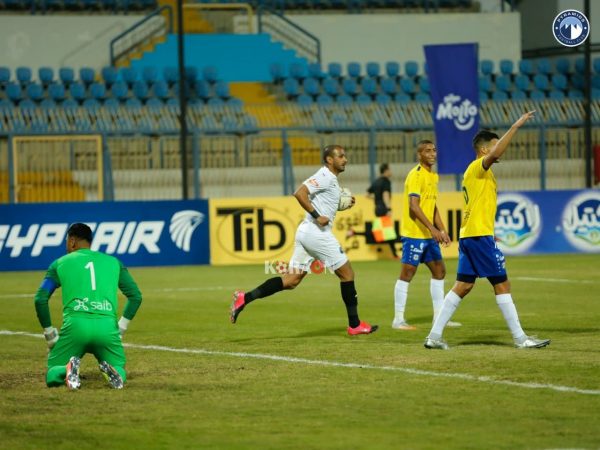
x=182, y=226
x=571, y=28
x=581, y=221
x=461, y=111
x=518, y=223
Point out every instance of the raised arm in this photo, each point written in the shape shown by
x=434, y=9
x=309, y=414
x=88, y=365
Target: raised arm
x=498, y=150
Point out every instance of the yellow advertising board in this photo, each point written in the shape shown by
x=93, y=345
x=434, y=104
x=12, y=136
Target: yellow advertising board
x=259, y=230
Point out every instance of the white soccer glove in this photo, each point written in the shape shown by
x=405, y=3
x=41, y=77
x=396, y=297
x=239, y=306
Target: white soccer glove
x=123, y=324
x=51, y=335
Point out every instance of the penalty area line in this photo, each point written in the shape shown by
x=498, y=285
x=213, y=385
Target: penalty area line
x=326, y=363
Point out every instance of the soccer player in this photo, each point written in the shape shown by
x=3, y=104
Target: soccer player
x=381, y=192
x=478, y=254
x=319, y=195
x=89, y=282
x=422, y=232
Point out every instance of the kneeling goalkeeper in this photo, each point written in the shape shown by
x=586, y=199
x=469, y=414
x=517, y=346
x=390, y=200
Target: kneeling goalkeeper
x=89, y=282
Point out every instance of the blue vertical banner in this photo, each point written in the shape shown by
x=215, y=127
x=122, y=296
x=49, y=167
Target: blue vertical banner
x=452, y=72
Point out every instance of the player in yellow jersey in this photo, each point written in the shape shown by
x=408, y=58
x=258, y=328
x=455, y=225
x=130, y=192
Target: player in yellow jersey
x=422, y=233
x=478, y=254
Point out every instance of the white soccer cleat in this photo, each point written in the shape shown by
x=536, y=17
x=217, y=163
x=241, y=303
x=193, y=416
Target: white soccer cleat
x=532, y=342
x=112, y=376
x=402, y=325
x=436, y=343
x=452, y=324
x=72, y=378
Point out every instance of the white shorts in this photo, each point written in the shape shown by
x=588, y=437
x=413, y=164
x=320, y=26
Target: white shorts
x=315, y=242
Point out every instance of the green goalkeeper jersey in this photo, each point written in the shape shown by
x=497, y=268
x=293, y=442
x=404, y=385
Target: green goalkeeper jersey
x=89, y=282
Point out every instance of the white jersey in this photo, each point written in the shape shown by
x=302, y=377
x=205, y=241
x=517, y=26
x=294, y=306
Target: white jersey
x=324, y=194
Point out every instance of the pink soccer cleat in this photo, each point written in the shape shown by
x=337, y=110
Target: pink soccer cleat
x=237, y=306
x=362, y=328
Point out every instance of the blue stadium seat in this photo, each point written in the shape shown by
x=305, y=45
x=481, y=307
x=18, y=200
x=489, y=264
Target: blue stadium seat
x=171, y=75
x=87, y=75
x=411, y=68
x=14, y=92
x=149, y=74
x=499, y=96
x=485, y=83
x=56, y=92
x=373, y=70
x=91, y=103
x=235, y=102
x=344, y=100
x=363, y=99
x=331, y=86
x=215, y=101
x=596, y=65
x=173, y=101
x=222, y=89
x=383, y=99
x=595, y=94
x=392, y=69
x=160, y=89
x=70, y=104
x=369, y=86
x=27, y=104
x=4, y=75
x=522, y=82
x=506, y=67
x=556, y=95
x=35, y=92
x=98, y=91
x=422, y=97
x=23, y=75
x=541, y=82
x=353, y=69
x=203, y=89
x=402, y=98
x=297, y=71
x=46, y=75
x=277, y=72
x=6, y=104
x=537, y=95
x=544, y=66
x=596, y=81
x=580, y=65
x=66, y=75
x=191, y=73
x=518, y=94
x=112, y=103
x=154, y=102
x=48, y=103
x=324, y=100
x=119, y=91
x=291, y=87
x=388, y=86
x=311, y=87
x=210, y=74
x=483, y=96
x=77, y=91
x=526, y=67
x=407, y=85
x=109, y=75
x=578, y=81
x=424, y=85
x=129, y=75
x=350, y=86
x=133, y=103
x=304, y=100
x=486, y=67
x=559, y=81
x=575, y=94
x=315, y=71
x=563, y=66
x=334, y=70
x=140, y=90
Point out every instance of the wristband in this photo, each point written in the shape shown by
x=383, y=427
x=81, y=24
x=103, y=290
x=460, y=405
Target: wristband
x=315, y=214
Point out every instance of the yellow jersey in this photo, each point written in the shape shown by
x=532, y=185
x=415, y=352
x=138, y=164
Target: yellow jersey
x=422, y=183
x=479, y=190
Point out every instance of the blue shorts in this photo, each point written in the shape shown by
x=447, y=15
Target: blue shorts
x=416, y=251
x=480, y=256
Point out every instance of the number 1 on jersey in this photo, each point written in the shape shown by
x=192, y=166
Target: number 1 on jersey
x=90, y=266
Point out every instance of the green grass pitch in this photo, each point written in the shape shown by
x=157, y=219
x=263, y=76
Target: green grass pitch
x=287, y=376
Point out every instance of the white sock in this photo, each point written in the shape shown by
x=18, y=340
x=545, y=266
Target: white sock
x=400, y=296
x=506, y=305
x=449, y=305
x=436, y=288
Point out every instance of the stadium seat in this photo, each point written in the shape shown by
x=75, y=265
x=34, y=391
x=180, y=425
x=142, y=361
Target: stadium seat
x=35, y=92
x=580, y=65
x=98, y=91
x=66, y=76
x=369, y=86
x=383, y=99
x=77, y=91
x=353, y=69
x=112, y=103
x=595, y=94
x=407, y=85
x=575, y=94
x=392, y=69
x=483, y=96
x=522, y=82
x=486, y=67
x=56, y=92
x=304, y=100
x=140, y=90
x=559, y=81
x=119, y=91
x=331, y=86
x=537, y=95
x=297, y=71
x=173, y=101
x=350, y=86
x=499, y=96
x=154, y=102
x=422, y=97
x=109, y=75
x=424, y=85
x=334, y=70
x=556, y=95
x=149, y=74
x=160, y=89
x=485, y=83
x=544, y=66
x=388, y=86
x=235, y=102
x=324, y=100
x=402, y=99
x=506, y=67
x=527, y=67
x=596, y=65
x=191, y=74
x=373, y=70
x=563, y=66
x=133, y=103
x=91, y=103
x=4, y=75
x=48, y=103
x=311, y=87
x=87, y=76
x=291, y=87
x=46, y=75
x=541, y=82
x=277, y=72
x=578, y=81
x=210, y=74
x=6, y=104
x=203, y=89
x=315, y=71
x=129, y=75
x=344, y=100
x=23, y=75
x=518, y=94
x=70, y=104
x=222, y=90
x=215, y=101
x=363, y=99
x=14, y=92
x=27, y=104
x=170, y=75
x=411, y=68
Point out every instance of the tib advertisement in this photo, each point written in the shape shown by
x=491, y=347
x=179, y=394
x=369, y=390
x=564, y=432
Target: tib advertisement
x=261, y=230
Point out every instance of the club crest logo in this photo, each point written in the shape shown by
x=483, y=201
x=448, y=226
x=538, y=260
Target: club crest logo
x=571, y=28
x=581, y=221
x=518, y=223
x=182, y=226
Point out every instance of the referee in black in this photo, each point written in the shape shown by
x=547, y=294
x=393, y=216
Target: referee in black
x=381, y=192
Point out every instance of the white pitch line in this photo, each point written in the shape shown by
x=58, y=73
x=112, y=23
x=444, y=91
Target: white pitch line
x=320, y=362
x=555, y=280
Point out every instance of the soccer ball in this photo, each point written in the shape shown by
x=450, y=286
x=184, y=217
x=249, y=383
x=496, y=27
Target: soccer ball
x=345, y=199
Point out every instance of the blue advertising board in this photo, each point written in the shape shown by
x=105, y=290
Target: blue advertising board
x=548, y=222
x=156, y=233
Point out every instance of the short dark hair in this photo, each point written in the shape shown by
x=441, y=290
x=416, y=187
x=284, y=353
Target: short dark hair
x=423, y=142
x=483, y=137
x=328, y=151
x=383, y=167
x=80, y=231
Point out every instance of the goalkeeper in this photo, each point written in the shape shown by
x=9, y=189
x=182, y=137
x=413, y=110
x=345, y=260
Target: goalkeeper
x=89, y=282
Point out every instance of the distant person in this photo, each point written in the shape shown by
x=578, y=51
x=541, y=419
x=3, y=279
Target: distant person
x=478, y=254
x=381, y=192
x=89, y=282
x=319, y=196
x=422, y=232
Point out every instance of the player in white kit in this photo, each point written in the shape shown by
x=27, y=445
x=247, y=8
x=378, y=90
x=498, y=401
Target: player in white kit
x=319, y=195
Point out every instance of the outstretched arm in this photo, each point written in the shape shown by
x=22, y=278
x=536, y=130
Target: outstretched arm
x=502, y=144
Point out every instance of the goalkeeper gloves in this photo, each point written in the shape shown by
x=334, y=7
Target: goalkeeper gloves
x=123, y=324
x=51, y=335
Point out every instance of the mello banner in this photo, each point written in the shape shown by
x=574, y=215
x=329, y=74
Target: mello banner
x=452, y=71
x=157, y=233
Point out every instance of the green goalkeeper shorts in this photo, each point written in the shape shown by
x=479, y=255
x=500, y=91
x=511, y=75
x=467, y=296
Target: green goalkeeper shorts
x=87, y=333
